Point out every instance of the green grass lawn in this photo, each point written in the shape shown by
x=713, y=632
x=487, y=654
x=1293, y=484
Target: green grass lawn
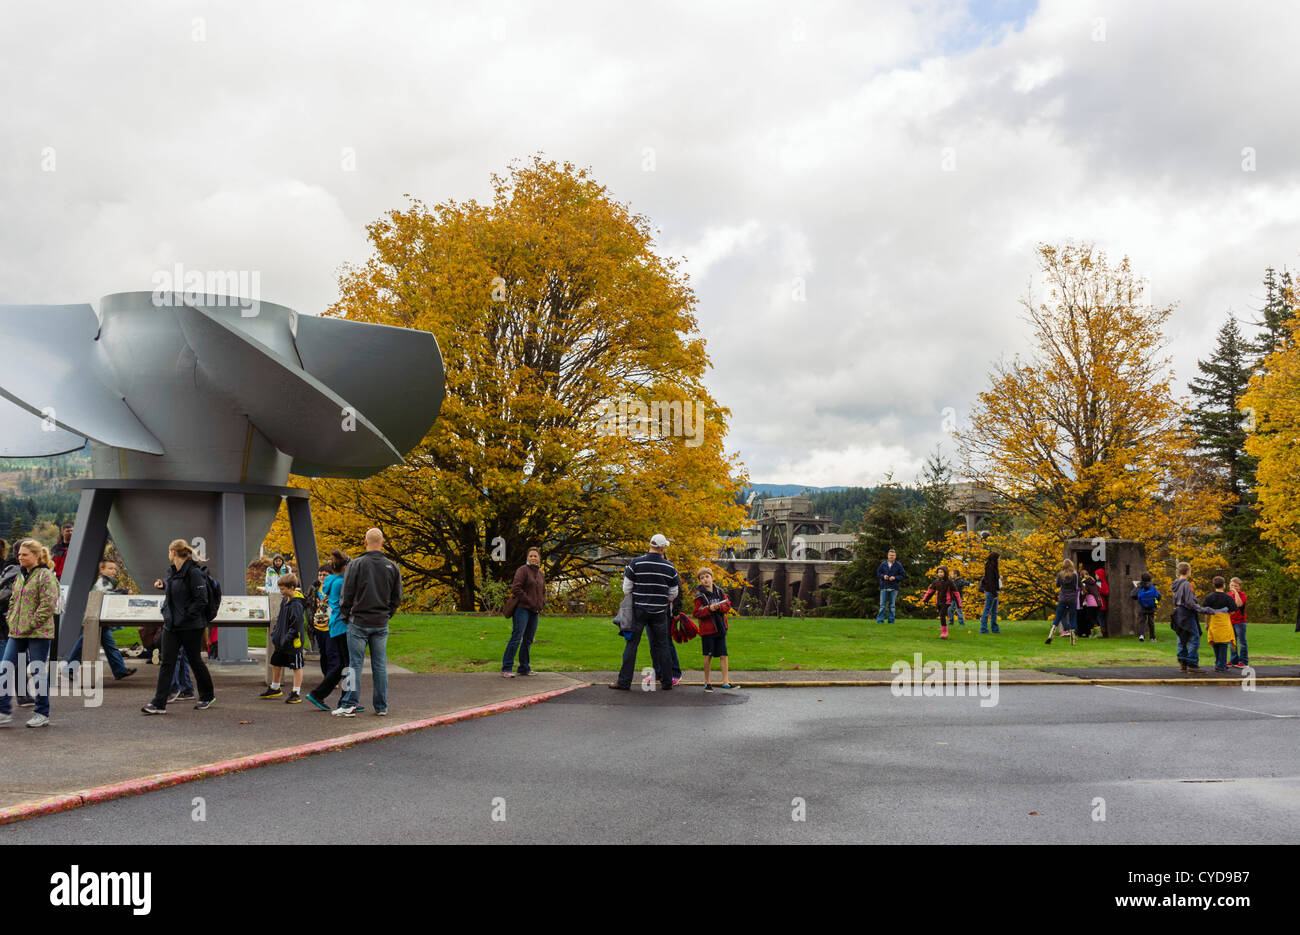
x=463, y=643
x=565, y=644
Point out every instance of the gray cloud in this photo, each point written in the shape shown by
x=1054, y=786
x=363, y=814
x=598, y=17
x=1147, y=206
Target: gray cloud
x=851, y=289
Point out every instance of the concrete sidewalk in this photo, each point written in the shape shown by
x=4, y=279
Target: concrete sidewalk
x=85, y=746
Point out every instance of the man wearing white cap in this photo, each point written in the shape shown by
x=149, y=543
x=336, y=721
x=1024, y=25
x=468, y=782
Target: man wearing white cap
x=653, y=583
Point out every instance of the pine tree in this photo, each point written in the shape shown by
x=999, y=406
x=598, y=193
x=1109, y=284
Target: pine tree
x=931, y=520
x=1279, y=305
x=1218, y=425
x=17, y=529
x=855, y=592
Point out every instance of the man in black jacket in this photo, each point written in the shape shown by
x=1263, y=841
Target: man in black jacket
x=372, y=591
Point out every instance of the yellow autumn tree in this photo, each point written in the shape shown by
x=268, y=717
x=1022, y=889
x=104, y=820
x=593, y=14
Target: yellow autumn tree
x=1271, y=407
x=575, y=418
x=1084, y=438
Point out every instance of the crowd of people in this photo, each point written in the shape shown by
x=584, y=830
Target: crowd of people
x=345, y=613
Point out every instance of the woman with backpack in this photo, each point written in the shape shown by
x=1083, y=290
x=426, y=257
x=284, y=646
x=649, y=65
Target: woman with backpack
x=185, y=618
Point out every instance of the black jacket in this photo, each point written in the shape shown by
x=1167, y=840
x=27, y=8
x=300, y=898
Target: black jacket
x=991, y=583
x=289, y=624
x=372, y=590
x=186, y=602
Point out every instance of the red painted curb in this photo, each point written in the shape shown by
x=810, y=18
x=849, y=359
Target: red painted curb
x=117, y=790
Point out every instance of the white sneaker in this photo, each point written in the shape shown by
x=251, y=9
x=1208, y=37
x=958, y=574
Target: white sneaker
x=341, y=711
x=1141, y=638
x=38, y=720
x=6, y=718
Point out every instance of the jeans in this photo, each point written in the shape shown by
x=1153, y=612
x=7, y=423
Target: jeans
x=1220, y=655
x=173, y=642
x=990, y=614
x=1101, y=621
x=358, y=639
x=957, y=616
x=1065, y=615
x=887, y=596
x=335, y=653
x=524, y=628
x=1187, y=649
x=657, y=623
x=1239, y=651
x=115, y=661
x=36, y=651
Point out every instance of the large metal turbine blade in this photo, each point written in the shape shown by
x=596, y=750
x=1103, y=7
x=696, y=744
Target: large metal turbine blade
x=298, y=413
x=23, y=435
x=62, y=376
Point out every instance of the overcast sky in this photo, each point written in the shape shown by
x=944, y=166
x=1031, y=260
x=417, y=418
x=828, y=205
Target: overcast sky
x=857, y=188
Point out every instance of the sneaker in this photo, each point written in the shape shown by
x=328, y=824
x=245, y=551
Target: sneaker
x=708, y=688
x=187, y=695
x=996, y=630
x=38, y=720
x=1237, y=665
x=344, y=711
x=204, y=705
x=316, y=701
x=507, y=674
x=383, y=713
x=271, y=693
x=125, y=674
x=294, y=698
x=730, y=685
x=6, y=719
x=676, y=679
x=1048, y=641
x=1141, y=638
x=528, y=673
x=25, y=702
x=172, y=696
x=150, y=709
x=361, y=709
x=620, y=688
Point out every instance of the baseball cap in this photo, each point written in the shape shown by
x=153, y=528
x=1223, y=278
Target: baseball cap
x=659, y=542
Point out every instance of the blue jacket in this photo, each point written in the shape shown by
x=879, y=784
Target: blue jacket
x=886, y=568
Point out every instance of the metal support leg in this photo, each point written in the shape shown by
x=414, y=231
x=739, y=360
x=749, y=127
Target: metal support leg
x=304, y=540
x=89, y=536
x=232, y=571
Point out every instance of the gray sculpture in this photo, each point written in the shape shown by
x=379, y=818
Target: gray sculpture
x=196, y=412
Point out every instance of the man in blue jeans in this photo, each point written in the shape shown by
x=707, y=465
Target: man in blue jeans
x=107, y=584
x=372, y=591
x=890, y=574
x=653, y=583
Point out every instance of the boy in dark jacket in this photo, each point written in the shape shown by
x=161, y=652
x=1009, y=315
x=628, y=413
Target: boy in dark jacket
x=286, y=639
x=1148, y=597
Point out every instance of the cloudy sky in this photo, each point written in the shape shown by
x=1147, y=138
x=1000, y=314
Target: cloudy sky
x=857, y=188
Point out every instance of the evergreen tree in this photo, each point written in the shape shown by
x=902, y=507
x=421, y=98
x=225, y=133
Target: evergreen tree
x=1219, y=426
x=931, y=520
x=1279, y=305
x=855, y=592
x=17, y=529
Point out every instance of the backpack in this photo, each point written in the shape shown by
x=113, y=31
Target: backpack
x=1148, y=598
x=214, y=595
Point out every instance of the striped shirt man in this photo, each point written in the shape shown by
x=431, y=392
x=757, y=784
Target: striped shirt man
x=652, y=581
